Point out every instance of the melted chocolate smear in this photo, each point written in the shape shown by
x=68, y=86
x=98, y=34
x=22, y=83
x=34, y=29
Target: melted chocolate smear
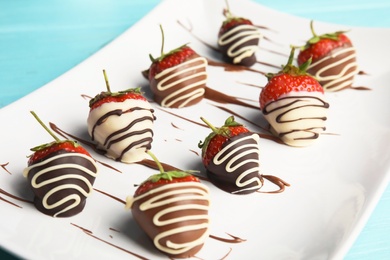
x=277, y=181
x=268, y=64
x=233, y=68
x=153, y=165
x=15, y=197
x=360, y=88
x=113, y=229
x=232, y=240
x=110, y=196
x=220, y=97
x=5, y=169
x=89, y=233
x=264, y=27
x=250, y=84
x=13, y=204
x=362, y=73
x=175, y=126
x=195, y=152
x=64, y=134
x=184, y=118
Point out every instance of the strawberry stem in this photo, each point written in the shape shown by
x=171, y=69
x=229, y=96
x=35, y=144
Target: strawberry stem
x=312, y=29
x=160, y=167
x=45, y=127
x=106, y=80
x=215, y=130
x=162, y=40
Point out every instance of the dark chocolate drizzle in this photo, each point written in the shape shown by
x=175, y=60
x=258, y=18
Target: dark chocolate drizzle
x=232, y=240
x=9, y=202
x=110, y=196
x=295, y=99
x=14, y=196
x=111, y=138
x=65, y=135
x=4, y=167
x=220, y=97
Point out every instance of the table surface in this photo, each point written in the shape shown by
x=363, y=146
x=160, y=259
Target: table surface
x=40, y=40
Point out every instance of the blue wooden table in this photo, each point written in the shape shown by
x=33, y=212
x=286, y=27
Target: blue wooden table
x=40, y=40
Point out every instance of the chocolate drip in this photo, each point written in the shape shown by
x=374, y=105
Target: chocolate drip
x=61, y=182
x=235, y=168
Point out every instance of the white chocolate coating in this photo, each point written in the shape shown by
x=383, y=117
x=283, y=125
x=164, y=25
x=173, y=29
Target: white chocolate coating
x=123, y=129
x=248, y=33
x=169, y=199
x=187, y=79
x=297, y=118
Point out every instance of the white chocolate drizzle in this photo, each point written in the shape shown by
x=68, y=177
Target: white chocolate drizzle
x=344, y=78
x=66, y=186
x=244, y=33
x=171, y=197
x=186, y=74
x=236, y=159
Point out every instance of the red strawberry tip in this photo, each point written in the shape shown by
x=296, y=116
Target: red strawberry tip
x=223, y=130
x=164, y=178
x=316, y=38
x=104, y=94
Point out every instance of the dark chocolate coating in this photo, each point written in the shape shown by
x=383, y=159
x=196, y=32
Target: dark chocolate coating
x=247, y=61
x=57, y=196
x=227, y=181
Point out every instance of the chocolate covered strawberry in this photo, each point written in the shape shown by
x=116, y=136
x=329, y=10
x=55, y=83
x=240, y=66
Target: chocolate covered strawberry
x=121, y=123
x=293, y=104
x=333, y=59
x=61, y=175
x=177, y=78
x=230, y=155
x=172, y=208
x=238, y=40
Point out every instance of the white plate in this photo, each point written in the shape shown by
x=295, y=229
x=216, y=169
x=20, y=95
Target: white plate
x=335, y=183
